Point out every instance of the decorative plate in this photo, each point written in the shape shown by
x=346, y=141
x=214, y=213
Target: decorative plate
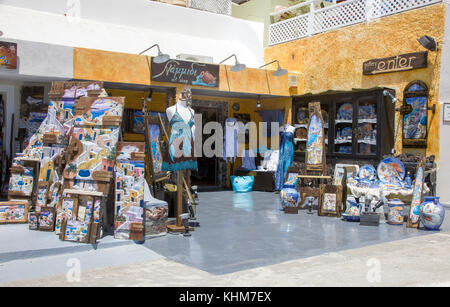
x=346, y=133
x=367, y=171
x=345, y=149
x=345, y=111
x=302, y=116
x=367, y=111
x=391, y=170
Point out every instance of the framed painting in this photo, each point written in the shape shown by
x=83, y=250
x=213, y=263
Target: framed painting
x=98, y=111
x=351, y=169
x=42, y=196
x=47, y=219
x=14, y=212
x=417, y=197
x=315, y=140
x=330, y=200
x=33, y=221
x=75, y=231
x=415, y=114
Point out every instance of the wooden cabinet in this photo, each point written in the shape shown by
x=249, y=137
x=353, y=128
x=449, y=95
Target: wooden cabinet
x=358, y=124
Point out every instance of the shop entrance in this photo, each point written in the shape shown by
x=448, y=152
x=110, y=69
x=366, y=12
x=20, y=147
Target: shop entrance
x=211, y=171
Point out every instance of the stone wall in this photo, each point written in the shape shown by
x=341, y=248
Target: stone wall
x=333, y=60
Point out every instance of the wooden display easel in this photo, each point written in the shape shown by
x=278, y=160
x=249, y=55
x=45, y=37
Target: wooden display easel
x=156, y=178
x=316, y=172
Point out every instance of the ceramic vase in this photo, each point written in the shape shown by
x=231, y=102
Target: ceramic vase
x=289, y=197
x=353, y=213
x=432, y=213
x=395, y=213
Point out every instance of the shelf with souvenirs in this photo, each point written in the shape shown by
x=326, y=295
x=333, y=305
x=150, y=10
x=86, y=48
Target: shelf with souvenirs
x=354, y=126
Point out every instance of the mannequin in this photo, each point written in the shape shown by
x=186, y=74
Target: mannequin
x=181, y=143
x=180, y=157
x=286, y=155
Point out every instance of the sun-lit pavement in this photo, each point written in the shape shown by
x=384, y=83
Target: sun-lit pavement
x=419, y=261
x=244, y=240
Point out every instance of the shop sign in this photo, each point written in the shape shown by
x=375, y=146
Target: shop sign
x=396, y=63
x=185, y=72
x=8, y=55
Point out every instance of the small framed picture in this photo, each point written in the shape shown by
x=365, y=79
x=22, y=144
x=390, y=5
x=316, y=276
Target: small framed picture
x=12, y=212
x=330, y=200
x=42, y=195
x=33, y=221
x=446, y=112
x=47, y=219
x=69, y=207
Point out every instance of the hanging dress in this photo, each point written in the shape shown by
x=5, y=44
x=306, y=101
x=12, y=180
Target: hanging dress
x=180, y=155
x=230, y=145
x=286, y=157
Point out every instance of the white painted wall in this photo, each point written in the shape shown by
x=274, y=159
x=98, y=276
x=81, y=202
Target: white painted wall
x=443, y=179
x=38, y=61
x=131, y=26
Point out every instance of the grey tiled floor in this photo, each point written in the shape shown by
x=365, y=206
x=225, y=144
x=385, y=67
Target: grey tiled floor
x=243, y=231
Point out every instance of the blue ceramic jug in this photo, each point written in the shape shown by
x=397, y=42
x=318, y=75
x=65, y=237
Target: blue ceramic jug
x=432, y=213
x=353, y=213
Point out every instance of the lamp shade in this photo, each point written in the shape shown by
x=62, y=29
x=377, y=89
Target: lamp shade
x=428, y=42
x=161, y=58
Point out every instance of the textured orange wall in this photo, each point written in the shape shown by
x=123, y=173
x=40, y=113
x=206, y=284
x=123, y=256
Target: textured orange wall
x=109, y=66
x=333, y=60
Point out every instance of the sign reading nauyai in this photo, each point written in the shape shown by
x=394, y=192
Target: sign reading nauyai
x=8, y=55
x=192, y=73
x=396, y=63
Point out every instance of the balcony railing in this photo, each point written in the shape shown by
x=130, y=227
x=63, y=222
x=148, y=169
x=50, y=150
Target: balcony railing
x=214, y=6
x=335, y=16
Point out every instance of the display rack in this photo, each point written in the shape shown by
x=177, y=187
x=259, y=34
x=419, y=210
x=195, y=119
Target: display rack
x=359, y=124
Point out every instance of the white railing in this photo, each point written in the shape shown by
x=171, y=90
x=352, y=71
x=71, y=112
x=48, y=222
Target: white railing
x=334, y=16
x=214, y=6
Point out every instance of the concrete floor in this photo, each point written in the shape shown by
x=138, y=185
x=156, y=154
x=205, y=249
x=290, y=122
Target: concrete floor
x=244, y=240
x=247, y=230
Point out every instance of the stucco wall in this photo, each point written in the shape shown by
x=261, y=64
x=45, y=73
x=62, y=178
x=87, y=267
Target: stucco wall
x=444, y=97
x=131, y=27
x=333, y=60
x=131, y=68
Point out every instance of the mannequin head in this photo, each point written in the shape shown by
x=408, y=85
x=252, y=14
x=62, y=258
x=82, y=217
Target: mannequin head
x=186, y=96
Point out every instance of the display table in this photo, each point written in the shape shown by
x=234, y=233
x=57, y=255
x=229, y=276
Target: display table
x=381, y=191
x=264, y=180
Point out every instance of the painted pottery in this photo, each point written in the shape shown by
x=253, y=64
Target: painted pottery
x=345, y=112
x=353, y=213
x=395, y=213
x=367, y=171
x=432, y=213
x=391, y=170
x=302, y=116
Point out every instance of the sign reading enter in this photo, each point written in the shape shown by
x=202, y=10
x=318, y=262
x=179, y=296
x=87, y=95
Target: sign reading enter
x=396, y=63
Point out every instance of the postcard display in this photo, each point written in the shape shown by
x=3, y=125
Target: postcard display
x=129, y=187
x=90, y=166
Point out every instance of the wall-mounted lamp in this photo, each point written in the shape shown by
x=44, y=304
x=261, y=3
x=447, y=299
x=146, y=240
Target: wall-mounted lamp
x=161, y=58
x=149, y=97
x=428, y=42
x=237, y=66
x=388, y=94
x=279, y=72
x=258, y=102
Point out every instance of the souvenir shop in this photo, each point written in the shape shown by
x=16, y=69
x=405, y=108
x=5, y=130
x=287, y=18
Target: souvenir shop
x=84, y=170
x=367, y=118
x=117, y=154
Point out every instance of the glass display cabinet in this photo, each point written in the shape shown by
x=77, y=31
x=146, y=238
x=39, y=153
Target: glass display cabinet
x=359, y=124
